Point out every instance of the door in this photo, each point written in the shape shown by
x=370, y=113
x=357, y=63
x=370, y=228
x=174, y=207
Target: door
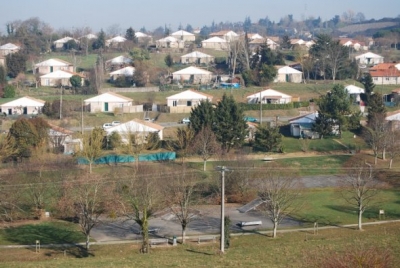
x=106, y=107
x=25, y=110
x=51, y=69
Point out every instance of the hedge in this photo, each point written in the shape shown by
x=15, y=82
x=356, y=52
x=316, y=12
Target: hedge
x=271, y=106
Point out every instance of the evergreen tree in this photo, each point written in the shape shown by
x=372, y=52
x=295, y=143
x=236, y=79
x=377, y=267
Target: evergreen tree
x=9, y=91
x=267, y=139
x=47, y=109
x=369, y=86
x=168, y=60
x=130, y=34
x=202, y=116
x=2, y=76
x=100, y=43
x=285, y=42
x=16, y=63
x=230, y=127
x=376, y=106
x=322, y=125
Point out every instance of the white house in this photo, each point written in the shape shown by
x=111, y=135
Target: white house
x=288, y=74
x=184, y=36
x=301, y=126
x=354, y=91
x=385, y=74
x=193, y=75
x=269, y=96
x=369, y=58
x=170, y=42
x=215, y=42
x=118, y=62
x=60, y=138
x=184, y=101
x=51, y=65
x=9, y=48
x=24, y=105
x=141, y=37
x=197, y=57
x=115, y=41
x=126, y=71
x=60, y=42
x=226, y=35
x=59, y=78
x=107, y=102
x=136, y=127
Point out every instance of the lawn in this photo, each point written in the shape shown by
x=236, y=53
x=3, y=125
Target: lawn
x=294, y=249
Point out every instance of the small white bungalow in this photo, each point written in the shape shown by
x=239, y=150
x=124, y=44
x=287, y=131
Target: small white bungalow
x=354, y=92
x=215, y=42
x=51, y=65
x=137, y=127
x=170, y=42
x=126, y=71
x=184, y=36
x=24, y=105
x=394, y=119
x=269, y=96
x=288, y=74
x=115, y=41
x=197, y=57
x=369, y=58
x=226, y=35
x=59, y=138
x=9, y=49
x=59, y=78
x=60, y=42
x=193, y=75
x=119, y=60
x=107, y=102
x=184, y=101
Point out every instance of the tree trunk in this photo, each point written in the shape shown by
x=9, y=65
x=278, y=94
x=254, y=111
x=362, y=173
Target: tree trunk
x=275, y=228
x=390, y=163
x=204, y=165
x=183, y=234
x=87, y=241
x=360, y=212
x=375, y=159
x=384, y=154
x=145, y=234
x=90, y=167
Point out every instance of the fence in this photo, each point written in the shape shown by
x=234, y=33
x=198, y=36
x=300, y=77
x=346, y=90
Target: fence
x=130, y=89
x=113, y=159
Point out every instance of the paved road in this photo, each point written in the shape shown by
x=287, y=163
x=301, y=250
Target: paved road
x=208, y=222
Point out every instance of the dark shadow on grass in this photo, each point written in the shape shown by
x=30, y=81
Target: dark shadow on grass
x=200, y=252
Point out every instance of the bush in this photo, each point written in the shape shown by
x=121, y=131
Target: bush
x=271, y=106
x=9, y=91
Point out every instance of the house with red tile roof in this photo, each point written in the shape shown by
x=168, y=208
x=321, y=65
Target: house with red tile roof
x=385, y=74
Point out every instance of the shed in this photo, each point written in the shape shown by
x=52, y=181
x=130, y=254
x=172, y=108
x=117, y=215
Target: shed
x=107, y=102
x=197, y=57
x=59, y=78
x=302, y=126
x=24, y=105
x=288, y=74
x=138, y=127
x=193, y=75
x=269, y=96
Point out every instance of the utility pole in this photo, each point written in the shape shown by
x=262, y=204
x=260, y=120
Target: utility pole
x=61, y=102
x=260, y=109
x=222, y=235
x=82, y=116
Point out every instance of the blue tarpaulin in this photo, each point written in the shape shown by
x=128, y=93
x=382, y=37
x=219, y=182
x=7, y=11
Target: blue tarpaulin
x=112, y=159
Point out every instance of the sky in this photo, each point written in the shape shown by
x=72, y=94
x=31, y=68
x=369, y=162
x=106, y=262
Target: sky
x=122, y=14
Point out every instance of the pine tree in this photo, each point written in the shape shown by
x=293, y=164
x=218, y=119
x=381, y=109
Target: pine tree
x=202, y=116
x=376, y=106
x=267, y=138
x=369, y=86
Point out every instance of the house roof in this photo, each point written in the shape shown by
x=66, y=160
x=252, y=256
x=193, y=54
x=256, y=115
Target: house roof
x=304, y=119
x=224, y=33
x=9, y=46
x=352, y=89
x=168, y=39
x=192, y=70
x=53, y=62
x=109, y=97
x=60, y=129
x=384, y=70
x=135, y=125
x=119, y=60
x=287, y=70
x=64, y=40
x=127, y=71
x=297, y=41
x=182, y=32
x=60, y=74
x=197, y=54
x=190, y=94
x=214, y=39
x=395, y=115
x=269, y=93
x=117, y=39
x=24, y=101
x=140, y=34
x=89, y=36
x=369, y=55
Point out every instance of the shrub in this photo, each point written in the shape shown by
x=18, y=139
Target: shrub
x=9, y=91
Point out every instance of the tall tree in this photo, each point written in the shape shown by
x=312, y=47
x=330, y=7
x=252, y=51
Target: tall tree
x=279, y=191
x=376, y=106
x=76, y=82
x=335, y=105
x=369, y=86
x=230, y=127
x=24, y=136
x=100, y=43
x=92, y=144
x=16, y=63
x=359, y=187
x=130, y=34
x=205, y=145
x=169, y=61
x=202, y=116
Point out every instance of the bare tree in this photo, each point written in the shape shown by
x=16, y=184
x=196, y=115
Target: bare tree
x=359, y=187
x=184, y=137
x=87, y=197
x=92, y=146
x=206, y=145
x=393, y=145
x=280, y=192
x=141, y=197
x=374, y=135
x=181, y=192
